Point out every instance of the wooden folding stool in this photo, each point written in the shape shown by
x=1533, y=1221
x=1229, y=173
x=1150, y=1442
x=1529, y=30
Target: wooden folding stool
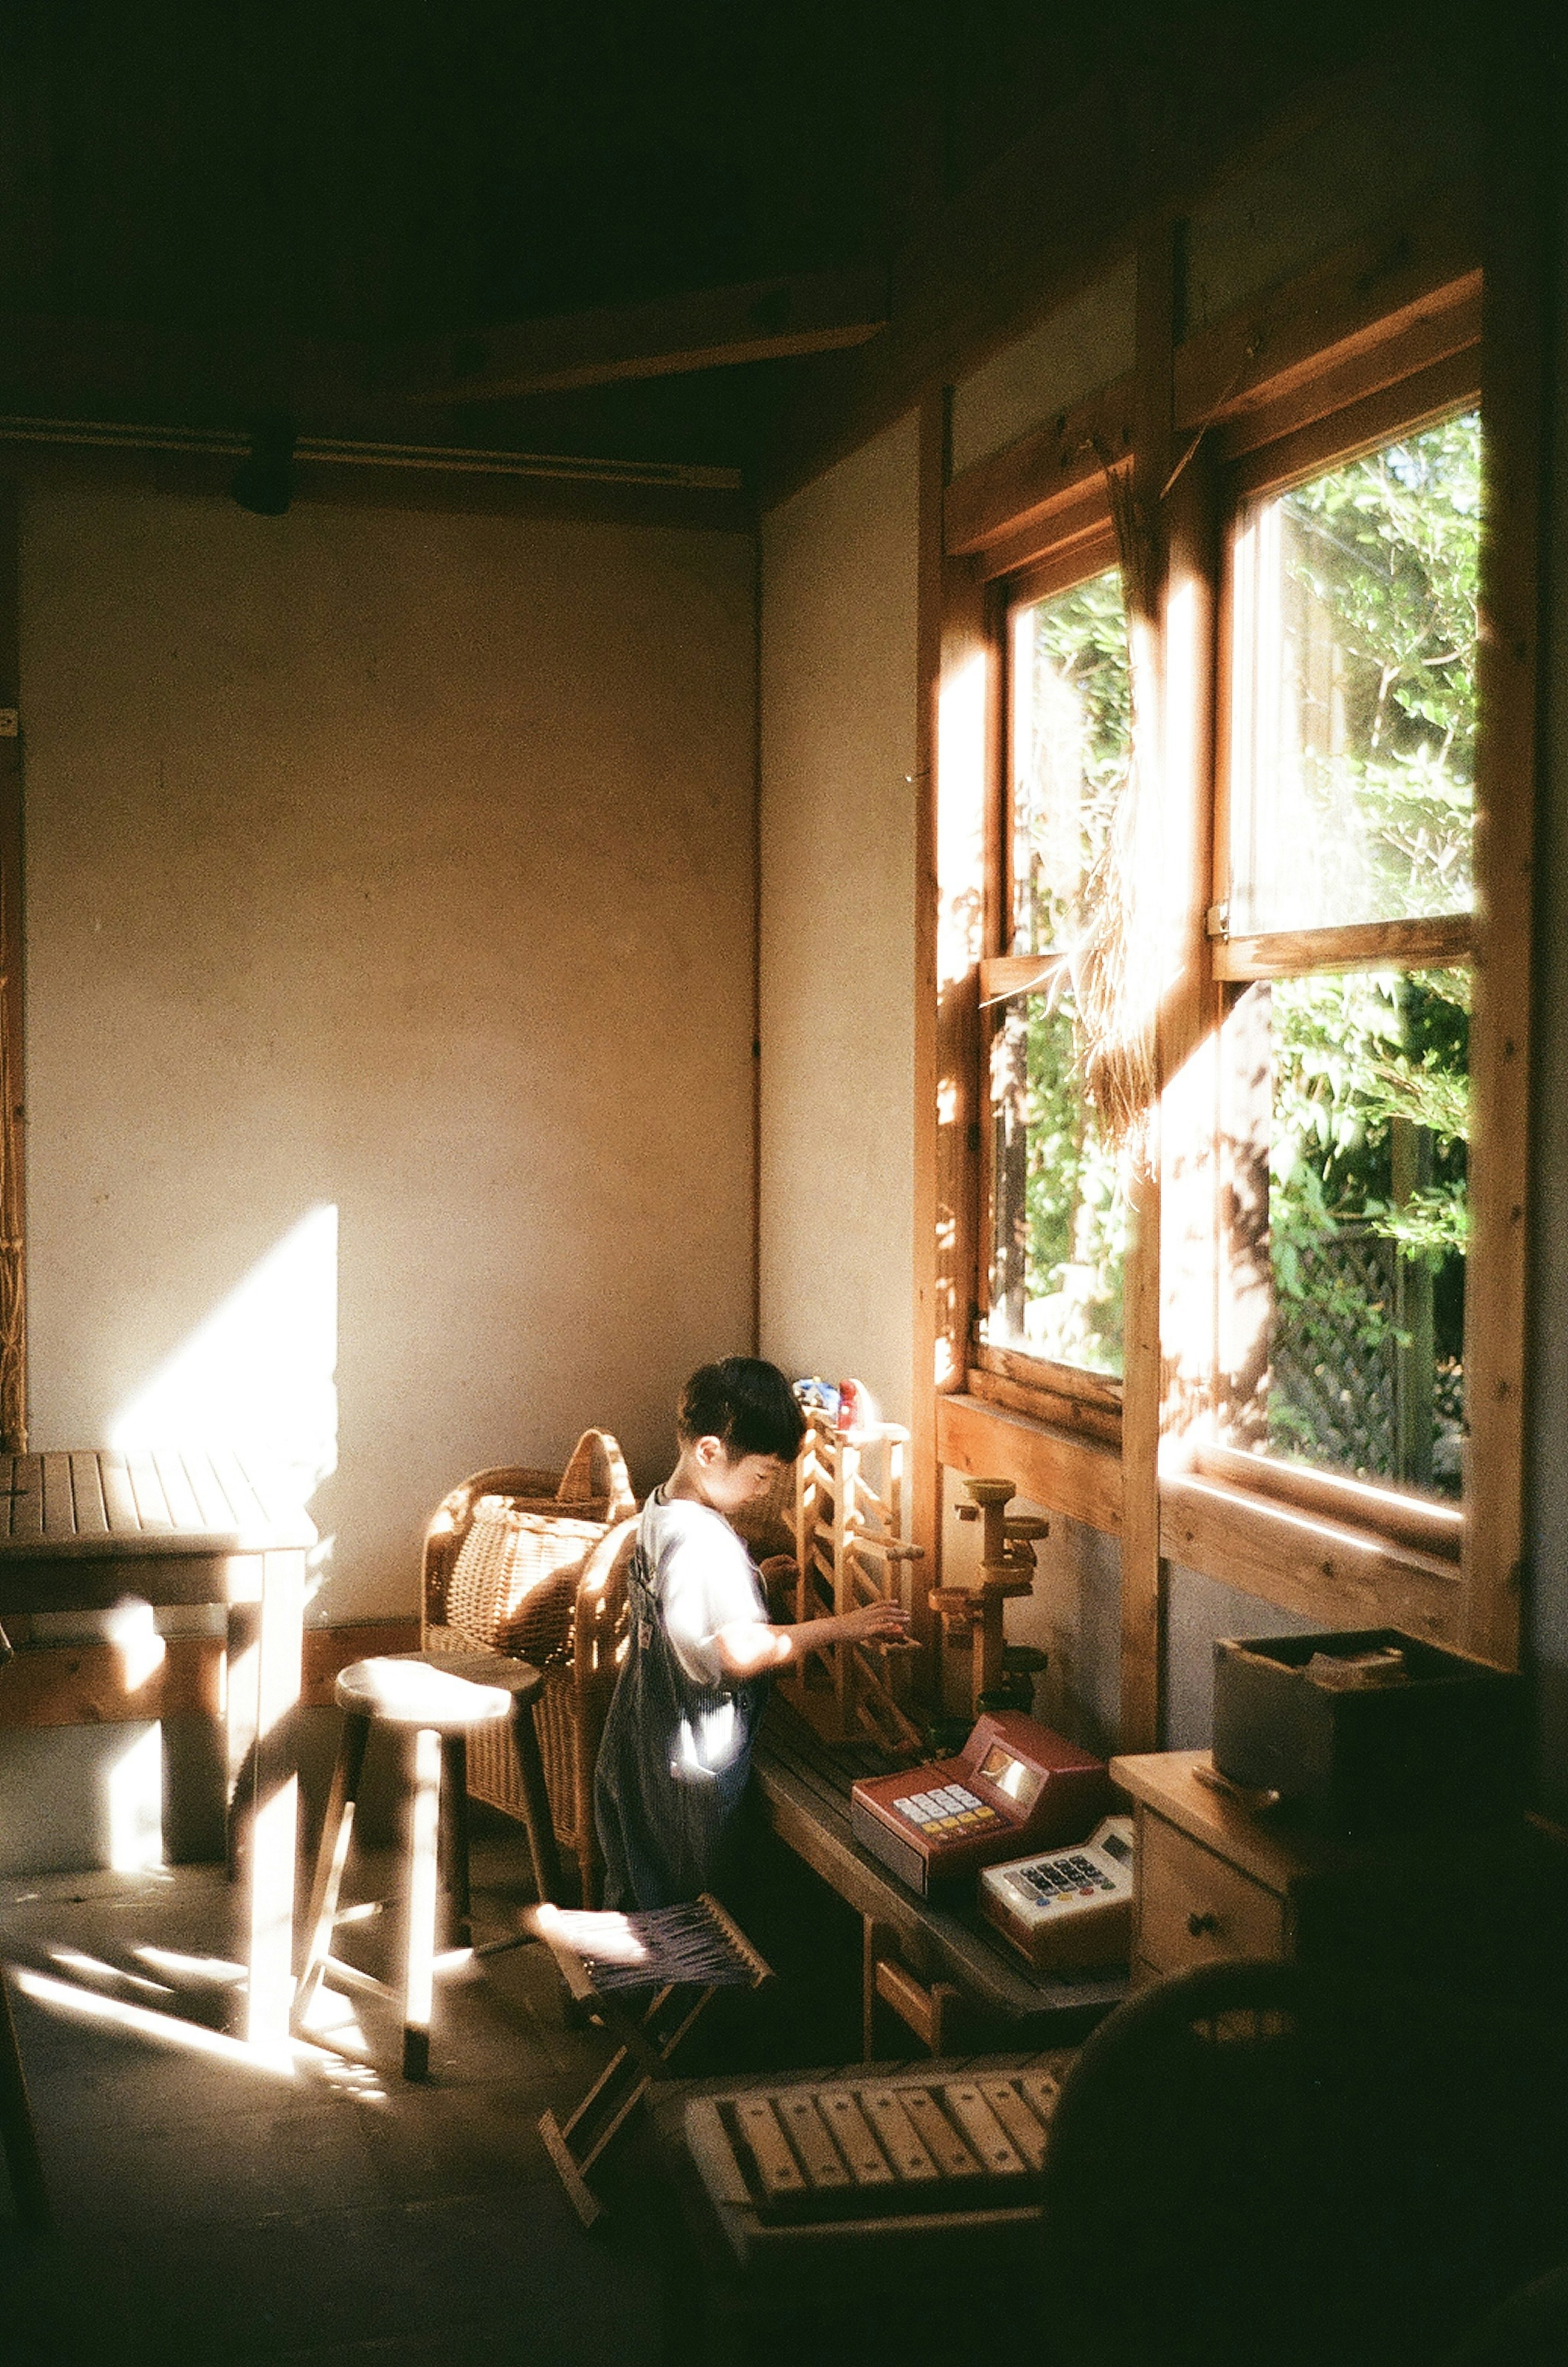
x=645, y=1978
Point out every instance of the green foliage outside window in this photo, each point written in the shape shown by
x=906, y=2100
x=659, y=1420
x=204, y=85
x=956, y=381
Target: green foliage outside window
x=1062, y=1224
x=1371, y=1087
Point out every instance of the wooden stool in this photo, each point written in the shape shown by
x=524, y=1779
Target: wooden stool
x=435, y=1699
x=645, y=1978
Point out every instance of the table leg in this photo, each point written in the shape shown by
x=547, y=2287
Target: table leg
x=536, y=1805
x=265, y=1801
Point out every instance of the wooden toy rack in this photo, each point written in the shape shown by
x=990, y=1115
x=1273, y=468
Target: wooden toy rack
x=850, y=1550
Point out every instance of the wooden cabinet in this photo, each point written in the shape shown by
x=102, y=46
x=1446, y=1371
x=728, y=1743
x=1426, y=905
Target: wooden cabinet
x=1214, y=1880
x=1192, y=1907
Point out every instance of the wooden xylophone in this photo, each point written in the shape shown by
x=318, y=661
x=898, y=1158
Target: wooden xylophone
x=858, y=2149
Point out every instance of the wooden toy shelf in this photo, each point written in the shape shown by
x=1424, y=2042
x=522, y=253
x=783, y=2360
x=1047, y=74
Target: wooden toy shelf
x=850, y=1550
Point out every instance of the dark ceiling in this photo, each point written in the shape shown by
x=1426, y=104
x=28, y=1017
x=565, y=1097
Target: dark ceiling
x=368, y=169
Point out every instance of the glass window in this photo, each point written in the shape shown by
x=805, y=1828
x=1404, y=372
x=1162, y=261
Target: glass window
x=1060, y=1221
x=1352, y=770
x=1070, y=737
x=1369, y=1120
x=1353, y=691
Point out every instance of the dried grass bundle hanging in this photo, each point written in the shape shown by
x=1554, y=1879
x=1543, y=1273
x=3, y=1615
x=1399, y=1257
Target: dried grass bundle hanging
x=1115, y=959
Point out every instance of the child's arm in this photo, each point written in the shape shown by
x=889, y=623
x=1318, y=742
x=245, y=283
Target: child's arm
x=747, y=1648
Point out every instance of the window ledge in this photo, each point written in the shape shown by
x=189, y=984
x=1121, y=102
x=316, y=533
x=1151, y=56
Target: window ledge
x=1318, y=1568
x=1050, y=1465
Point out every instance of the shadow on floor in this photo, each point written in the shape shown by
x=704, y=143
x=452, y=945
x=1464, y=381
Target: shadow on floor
x=211, y=2208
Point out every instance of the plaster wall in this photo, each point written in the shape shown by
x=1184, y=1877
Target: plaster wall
x=1086, y=344
x=388, y=966
x=838, y=922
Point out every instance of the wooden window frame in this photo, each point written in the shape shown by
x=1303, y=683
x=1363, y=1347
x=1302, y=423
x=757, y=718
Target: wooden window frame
x=1239, y=1491
x=1381, y=336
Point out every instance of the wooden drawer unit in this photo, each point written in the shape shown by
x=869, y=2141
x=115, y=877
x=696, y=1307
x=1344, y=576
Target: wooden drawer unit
x=1214, y=1879
x=1193, y=1908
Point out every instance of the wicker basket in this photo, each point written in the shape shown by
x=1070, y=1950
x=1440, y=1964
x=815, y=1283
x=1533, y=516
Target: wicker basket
x=592, y=1504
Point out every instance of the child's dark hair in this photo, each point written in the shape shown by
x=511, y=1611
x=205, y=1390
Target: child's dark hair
x=744, y=1403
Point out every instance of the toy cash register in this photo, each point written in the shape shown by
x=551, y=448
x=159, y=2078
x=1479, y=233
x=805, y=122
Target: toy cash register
x=1070, y=1907
x=1014, y=1786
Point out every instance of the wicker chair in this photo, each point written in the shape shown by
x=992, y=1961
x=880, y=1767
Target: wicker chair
x=579, y=1674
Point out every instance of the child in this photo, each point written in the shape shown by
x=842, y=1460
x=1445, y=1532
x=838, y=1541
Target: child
x=677, y=1745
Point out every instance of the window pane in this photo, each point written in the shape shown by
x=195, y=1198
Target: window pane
x=1369, y=1113
x=1353, y=690
x=1071, y=732
x=1061, y=1219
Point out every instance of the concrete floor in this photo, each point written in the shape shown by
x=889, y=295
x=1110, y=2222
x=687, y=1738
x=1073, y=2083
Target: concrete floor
x=211, y=2209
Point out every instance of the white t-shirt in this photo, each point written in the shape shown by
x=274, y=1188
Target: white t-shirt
x=702, y=1576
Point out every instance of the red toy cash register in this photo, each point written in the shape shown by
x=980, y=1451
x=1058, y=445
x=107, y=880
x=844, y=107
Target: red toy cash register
x=1015, y=1786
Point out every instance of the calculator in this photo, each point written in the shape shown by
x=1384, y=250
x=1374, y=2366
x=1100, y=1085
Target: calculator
x=1013, y=1784
x=1068, y=1906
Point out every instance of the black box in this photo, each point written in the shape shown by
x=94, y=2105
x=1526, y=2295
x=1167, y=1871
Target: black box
x=1445, y=1739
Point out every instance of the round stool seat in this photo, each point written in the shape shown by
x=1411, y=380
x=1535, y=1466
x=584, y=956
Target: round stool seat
x=441, y=1693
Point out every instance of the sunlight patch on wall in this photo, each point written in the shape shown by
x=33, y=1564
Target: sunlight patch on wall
x=259, y=1373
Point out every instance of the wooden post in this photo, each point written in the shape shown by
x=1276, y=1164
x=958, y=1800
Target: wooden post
x=1142, y=588
x=13, y=1269
x=1514, y=410
x=955, y=745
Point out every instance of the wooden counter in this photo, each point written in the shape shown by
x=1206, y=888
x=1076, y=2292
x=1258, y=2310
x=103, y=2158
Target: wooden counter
x=922, y=1958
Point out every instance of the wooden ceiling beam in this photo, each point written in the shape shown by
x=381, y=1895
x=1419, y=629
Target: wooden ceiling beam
x=767, y=319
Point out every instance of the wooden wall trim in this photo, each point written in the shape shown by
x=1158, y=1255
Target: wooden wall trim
x=1402, y=302
x=1382, y=304
x=1054, y=477
x=1320, y=1569
x=719, y=509
x=1058, y=1468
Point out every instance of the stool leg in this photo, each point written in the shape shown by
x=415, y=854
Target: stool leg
x=455, y=1840
x=536, y=1805
x=22, y=2156
x=419, y=1952
x=330, y=1858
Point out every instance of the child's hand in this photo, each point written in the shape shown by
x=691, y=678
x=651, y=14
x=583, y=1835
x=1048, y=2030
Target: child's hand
x=876, y=1623
x=778, y=1575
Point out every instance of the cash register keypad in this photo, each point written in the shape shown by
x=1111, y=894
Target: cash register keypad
x=1059, y=1877
x=953, y=1809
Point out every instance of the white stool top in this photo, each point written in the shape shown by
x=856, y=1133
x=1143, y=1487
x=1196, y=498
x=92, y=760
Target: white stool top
x=411, y=1692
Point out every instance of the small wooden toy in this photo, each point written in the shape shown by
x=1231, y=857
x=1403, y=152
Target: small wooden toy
x=974, y=1615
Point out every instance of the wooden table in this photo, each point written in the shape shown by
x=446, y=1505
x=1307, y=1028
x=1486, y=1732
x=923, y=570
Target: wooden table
x=921, y=1957
x=80, y=1532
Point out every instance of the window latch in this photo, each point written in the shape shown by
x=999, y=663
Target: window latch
x=1218, y=919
